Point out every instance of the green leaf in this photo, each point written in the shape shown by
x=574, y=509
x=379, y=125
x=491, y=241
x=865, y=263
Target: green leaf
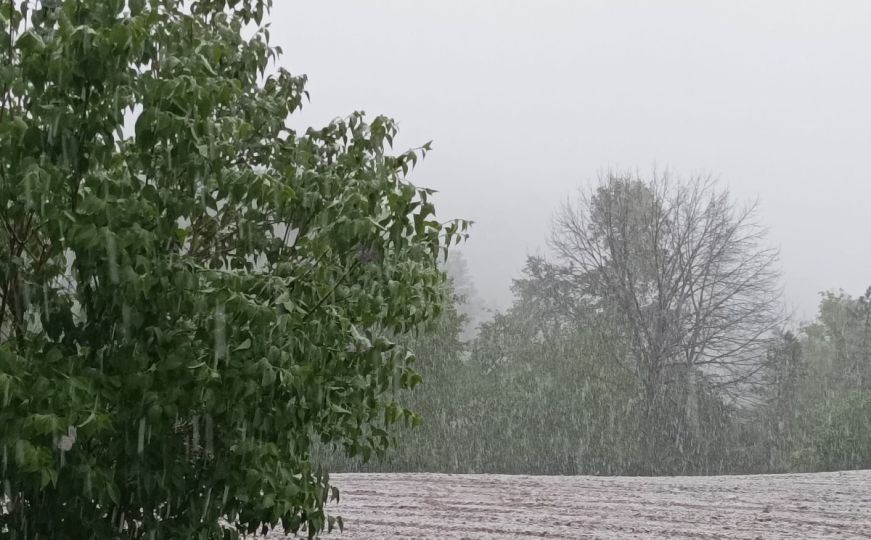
x=339, y=409
x=45, y=478
x=136, y=6
x=29, y=43
x=112, y=492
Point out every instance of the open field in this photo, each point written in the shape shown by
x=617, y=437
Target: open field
x=822, y=505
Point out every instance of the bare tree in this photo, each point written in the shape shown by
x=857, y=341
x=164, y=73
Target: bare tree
x=682, y=271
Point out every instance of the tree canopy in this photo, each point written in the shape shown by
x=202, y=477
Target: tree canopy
x=191, y=293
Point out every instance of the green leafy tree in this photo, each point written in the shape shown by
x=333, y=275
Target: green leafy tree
x=813, y=414
x=579, y=388
x=187, y=307
x=428, y=445
x=841, y=335
x=830, y=397
x=780, y=409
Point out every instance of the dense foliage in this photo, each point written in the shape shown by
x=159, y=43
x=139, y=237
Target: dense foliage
x=521, y=399
x=529, y=397
x=818, y=406
x=191, y=294
x=552, y=386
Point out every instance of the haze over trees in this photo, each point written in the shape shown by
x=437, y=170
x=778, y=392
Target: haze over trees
x=651, y=341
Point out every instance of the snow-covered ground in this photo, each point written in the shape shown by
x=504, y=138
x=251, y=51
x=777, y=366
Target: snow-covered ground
x=397, y=506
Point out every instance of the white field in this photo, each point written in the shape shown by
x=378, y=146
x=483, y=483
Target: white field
x=800, y=506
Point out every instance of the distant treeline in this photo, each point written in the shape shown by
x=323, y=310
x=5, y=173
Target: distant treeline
x=651, y=344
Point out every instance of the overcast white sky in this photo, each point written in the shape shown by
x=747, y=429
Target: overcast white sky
x=526, y=100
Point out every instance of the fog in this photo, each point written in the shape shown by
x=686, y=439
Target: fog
x=527, y=100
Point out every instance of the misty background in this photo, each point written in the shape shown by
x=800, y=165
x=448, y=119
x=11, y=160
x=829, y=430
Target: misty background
x=525, y=101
